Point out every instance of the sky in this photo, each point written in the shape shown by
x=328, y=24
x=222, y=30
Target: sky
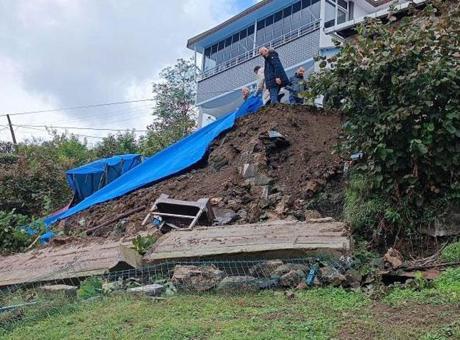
x=67, y=53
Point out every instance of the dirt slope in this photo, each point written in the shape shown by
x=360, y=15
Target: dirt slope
x=281, y=179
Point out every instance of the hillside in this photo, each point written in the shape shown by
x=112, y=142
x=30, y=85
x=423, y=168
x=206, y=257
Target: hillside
x=289, y=173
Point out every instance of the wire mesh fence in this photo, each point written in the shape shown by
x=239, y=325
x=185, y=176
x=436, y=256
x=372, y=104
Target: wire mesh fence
x=31, y=301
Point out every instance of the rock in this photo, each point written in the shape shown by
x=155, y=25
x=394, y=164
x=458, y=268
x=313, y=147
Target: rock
x=286, y=268
x=302, y=285
x=311, y=214
x=289, y=294
x=224, y=216
x=216, y=200
x=393, y=258
x=267, y=283
x=353, y=279
x=109, y=287
x=243, y=214
x=265, y=268
x=261, y=179
x=236, y=284
x=249, y=171
x=218, y=162
x=331, y=276
x=292, y=278
x=312, y=187
x=150, y=290
x=67, y=290
x=195, y=278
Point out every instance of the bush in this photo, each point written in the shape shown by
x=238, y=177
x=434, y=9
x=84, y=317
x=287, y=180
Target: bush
x=398, y=86
x=89, y=288
x=12, y=236
x=451, y=253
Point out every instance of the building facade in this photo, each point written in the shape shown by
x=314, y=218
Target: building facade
x=298, y=29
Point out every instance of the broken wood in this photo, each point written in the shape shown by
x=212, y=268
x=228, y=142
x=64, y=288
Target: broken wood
x=115, y=219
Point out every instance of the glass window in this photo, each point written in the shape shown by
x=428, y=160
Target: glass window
x=243, y=34
x=236, y=37
x=314, y=1
x=341, y=16
x=221, y=45
x=228, y=42
x=269, y=20
x=296, y=7
x=214, y=49
x=351, y=10
x=260, y=24
x=343, y=3
x=278, y=16
x=251, y=30
x=315, y=9
x=207, y=52
x=330, y=14
x=306, y=3
x=287, y=12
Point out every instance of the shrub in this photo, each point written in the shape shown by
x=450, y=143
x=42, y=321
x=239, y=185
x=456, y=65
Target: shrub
x=12, y=236
x=451, y=253
x=398, y=86
x=89, y=288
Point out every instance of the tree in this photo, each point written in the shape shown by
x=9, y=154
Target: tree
x=117, y=144
x=174, y=111
x=398, y=85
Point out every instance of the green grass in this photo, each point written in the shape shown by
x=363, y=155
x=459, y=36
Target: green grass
x=427, y=313
x=451, y=253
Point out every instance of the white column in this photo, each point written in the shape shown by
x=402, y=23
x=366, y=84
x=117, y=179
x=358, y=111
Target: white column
x=254, y=45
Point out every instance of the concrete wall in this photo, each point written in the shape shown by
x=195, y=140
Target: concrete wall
x=291, y=54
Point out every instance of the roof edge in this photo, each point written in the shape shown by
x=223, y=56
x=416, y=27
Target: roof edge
x=195, y=39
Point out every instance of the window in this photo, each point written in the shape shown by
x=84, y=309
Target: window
x=228, y=42
x=306, y=3
x=251, y=30
x=351, y=10
x=243, y=34
x=260, y=24
x=287, y=12
x=342, y=3
x=297, y=7
x=278, y=16
x=329, y=19
x=269, y=20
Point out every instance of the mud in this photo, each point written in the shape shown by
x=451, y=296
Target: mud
x=257, y=177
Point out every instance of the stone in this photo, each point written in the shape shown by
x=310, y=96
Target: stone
x=243, y=214
x=312, y=187
x=267, y=283
x=292, y=278
x=302, y=285
x=196, y=278
x=236, y=284
x=286, y=268
x=265, y=268
x=261, y=179
x=311, y=214
x=67, y=290
x=353, y=279
x=331, y=276
x=249, y=171
x=150, y=290
x=216, y=200
x=109, y=287
x=224, y=216
x=393, y=258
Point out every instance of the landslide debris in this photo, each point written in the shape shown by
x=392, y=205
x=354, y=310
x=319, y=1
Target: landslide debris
x=274, y=164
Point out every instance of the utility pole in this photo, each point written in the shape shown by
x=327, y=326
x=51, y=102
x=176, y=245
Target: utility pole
x=13, y=137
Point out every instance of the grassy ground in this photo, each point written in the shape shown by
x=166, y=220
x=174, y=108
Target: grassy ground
x=428, y=313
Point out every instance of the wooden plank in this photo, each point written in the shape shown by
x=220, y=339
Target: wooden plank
x=66, y=261
x=251, y=238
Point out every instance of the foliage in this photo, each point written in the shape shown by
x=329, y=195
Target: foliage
x=451, y=253
x=118, y=144
x=89, y=288
x=12, y=236
x=143, y=243
x=174, y=111
x=445, y=289
x=399, y=88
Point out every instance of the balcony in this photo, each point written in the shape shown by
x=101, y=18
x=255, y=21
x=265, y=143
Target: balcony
x=275, y=43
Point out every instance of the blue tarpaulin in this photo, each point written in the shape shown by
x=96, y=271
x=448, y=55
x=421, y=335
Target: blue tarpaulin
x=89, y=178
x=170, y=161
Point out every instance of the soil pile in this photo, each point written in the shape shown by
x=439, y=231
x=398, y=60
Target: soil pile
x=276, y=163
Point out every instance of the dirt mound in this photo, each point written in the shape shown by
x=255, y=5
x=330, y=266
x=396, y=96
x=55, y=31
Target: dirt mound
x=250, y=170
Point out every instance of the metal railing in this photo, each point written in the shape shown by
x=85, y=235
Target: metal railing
x=275, y=43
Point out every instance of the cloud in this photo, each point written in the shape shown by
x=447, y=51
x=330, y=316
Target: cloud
x=61, y=53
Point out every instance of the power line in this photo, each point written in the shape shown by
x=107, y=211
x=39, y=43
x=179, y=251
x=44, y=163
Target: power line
x=74, y=134
x=78, y=128
x=79, y=107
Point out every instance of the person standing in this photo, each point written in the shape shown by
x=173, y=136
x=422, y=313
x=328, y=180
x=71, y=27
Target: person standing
x=275, y=76
x=297, y=86
x=261, y=90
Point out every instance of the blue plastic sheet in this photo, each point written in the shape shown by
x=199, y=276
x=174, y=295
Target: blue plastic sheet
x=89, y=178
x=168, y=162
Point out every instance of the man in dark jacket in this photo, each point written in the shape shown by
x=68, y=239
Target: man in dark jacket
x=297, y=86
x=275, y=76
